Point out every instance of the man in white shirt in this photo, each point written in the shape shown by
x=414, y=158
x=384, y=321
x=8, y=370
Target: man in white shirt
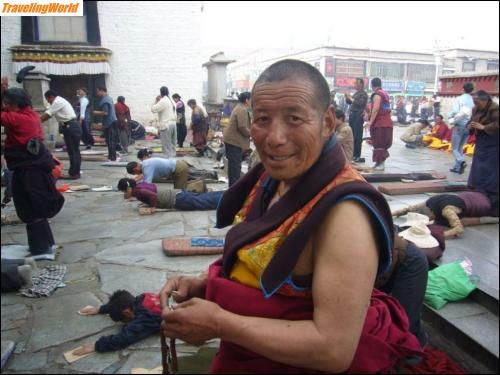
x=65, y=115
x=84, y=118
x=167, y=117
x=155, y=168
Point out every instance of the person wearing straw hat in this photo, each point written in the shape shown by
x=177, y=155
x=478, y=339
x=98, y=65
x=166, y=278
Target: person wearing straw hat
x=455, y=211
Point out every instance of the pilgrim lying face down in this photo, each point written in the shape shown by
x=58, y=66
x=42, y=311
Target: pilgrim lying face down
x=183, y=200
x=456, y=211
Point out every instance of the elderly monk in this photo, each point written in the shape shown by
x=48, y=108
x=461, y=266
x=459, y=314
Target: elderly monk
x=294, y=290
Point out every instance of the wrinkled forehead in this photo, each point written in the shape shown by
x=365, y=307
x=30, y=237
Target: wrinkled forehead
x=287, y=94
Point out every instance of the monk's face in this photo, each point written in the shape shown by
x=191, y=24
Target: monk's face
x=288, y=129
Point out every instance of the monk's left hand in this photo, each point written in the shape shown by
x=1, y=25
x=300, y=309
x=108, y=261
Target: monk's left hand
x=194, y=321
x=477, y=125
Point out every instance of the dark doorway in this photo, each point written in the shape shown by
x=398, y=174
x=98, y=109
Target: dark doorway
x=66, y=87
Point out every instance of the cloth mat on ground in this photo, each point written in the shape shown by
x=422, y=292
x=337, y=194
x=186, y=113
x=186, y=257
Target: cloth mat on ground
x=185, y=245
x=45, y=282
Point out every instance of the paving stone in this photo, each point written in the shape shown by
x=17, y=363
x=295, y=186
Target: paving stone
x=74, y=252
x=196, y=220
x=21, y=363
x=152, y=342
x=56, y=355
x=14, y=316
x=70, y=233
x=461, y=309
x=54, y=326
x=141, y=359
x=196, y=233
x=167, y=230
x=147, y=254
x=136, y=280
x=95, y=363
x=219, y=232
x=482, y=329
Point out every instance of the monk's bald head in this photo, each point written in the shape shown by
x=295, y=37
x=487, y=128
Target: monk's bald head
x=295, y=70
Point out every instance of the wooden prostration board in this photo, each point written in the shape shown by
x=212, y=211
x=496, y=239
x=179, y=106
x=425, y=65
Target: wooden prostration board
x=397, y=177
x=185, y=245
x=64, y=156
x=114, y=163
x=418, y=187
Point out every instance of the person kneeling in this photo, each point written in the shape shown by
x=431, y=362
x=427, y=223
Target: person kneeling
x=412, y=136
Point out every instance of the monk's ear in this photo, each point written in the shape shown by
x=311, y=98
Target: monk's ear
x=329, y=122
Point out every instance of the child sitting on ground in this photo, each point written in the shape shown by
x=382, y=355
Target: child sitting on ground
x=142, y=315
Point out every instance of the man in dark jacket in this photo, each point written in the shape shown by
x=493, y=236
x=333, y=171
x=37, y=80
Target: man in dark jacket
x=358, y=104
x=483, y=175
x=141, y=315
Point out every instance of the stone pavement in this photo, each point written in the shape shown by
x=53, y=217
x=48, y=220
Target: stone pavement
x=107, y=246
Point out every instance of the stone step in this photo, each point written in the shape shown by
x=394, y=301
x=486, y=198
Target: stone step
x=478, y=245
x=472, y=327
x=472, y=324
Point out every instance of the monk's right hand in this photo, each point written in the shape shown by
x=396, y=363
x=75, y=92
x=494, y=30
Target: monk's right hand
x=183, y=288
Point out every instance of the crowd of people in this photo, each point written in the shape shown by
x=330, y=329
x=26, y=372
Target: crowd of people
x=291, y=272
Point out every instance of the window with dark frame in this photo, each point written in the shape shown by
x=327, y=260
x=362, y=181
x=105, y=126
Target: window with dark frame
x=350, y=68
x=492, y=65
x=421, y=72
x=468, y=66
x=63, y=30
x=385, y=70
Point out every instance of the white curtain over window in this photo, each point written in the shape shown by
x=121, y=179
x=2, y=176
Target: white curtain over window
x=65, y=69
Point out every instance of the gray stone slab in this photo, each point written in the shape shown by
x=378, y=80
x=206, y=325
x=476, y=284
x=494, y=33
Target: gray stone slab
x=458, y=249
x=196, y=232
x=56, y=355
x=14, y=316
x=166, y=230
x=71, y=233
x=147, y=254
x=22, y=363
x=489, y=230
x=150, y=254
x=95, y=363
x=57, y=322
x=196, y=220
x=219, y=232
x=75, y=252
x=12, y=299
x=460, y=309
x=141, y=359
x=136, y=280
x=150, y=343
x=483, y=329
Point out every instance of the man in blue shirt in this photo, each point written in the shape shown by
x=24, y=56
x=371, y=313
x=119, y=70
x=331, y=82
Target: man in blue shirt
x=155, y=168
x=109, y=120
x=460, y=117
